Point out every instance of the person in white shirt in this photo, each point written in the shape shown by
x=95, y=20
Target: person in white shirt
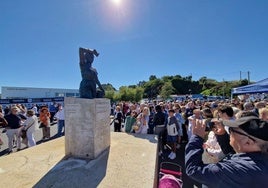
x=31, y=125
x=197, y=114
x=143, y=120
x=35, y=109
x=60, y=121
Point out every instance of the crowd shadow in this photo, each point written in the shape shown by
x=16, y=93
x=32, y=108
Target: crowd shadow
x=150, y=137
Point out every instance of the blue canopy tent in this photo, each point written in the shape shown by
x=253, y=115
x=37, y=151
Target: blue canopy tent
x=258, y=87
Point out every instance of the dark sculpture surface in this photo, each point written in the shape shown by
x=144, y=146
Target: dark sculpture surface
x=89, y=75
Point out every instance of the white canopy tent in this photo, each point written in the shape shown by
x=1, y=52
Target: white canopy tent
x=258, y=87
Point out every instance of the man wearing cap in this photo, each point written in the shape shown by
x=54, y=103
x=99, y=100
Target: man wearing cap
x=248, y=167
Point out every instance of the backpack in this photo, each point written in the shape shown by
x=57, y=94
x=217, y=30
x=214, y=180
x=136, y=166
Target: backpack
x=169, y=181
x=172, y=130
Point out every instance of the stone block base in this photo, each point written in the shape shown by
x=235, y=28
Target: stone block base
x=87, y=127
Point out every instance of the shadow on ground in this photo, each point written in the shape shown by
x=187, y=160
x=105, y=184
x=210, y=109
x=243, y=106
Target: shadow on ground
x=73, y=172
x=148, y=137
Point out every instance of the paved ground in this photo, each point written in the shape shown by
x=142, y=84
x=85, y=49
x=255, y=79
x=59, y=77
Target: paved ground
x=128, y=162
x=187, y=182
x=180, y=160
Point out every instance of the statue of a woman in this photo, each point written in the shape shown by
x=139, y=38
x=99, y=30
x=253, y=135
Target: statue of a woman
x=89, y=74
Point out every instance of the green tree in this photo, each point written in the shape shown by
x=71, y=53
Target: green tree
x=123, y=93
x=141, y=83
x=152, y=77
x=110, y=94
x=182, y=85
x=130, y=94
x=132, y=86
x=211, y=83
x=117, y=97
x=108, y=86
x=152, y=88
x=206, y=92
x=244, y=82
x=167, y=90
x=203, y=82
x=139, y=94
x=167, y=78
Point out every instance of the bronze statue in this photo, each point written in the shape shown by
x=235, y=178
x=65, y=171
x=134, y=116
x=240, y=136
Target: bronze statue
x=89, y=75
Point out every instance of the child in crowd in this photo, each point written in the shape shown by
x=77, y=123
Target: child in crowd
x=172, y=133
x=181, y=121
x=118, y=117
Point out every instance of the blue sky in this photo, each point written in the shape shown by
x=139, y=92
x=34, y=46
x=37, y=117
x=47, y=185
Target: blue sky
x=39, y=40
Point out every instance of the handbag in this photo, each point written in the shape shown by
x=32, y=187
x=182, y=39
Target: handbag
x=136, y=126
x=23, y=133
x=41, y=125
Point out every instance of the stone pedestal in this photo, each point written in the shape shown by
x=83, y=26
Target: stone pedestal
x=87, y=126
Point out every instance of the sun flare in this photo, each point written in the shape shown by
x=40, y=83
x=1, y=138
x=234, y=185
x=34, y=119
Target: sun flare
x=117, y=2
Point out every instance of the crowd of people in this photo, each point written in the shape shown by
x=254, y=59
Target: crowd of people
x=226, y=141
x=20, y=123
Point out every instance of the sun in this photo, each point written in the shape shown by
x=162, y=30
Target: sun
x=117, y=2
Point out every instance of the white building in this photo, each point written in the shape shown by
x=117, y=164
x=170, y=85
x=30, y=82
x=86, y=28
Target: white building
x=30, y=92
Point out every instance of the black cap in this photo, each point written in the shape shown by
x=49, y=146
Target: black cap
x=251, y=125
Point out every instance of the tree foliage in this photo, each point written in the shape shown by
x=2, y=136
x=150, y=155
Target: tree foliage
x=167, y=90
x=169, y=85
x=152, y=88
x=108, y=87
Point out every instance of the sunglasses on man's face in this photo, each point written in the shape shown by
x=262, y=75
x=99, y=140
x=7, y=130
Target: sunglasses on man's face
x=232, y=130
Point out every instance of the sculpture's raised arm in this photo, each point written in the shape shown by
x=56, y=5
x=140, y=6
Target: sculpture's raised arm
x=84, y=51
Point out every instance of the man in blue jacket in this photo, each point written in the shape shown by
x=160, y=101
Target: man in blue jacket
x=248, y=167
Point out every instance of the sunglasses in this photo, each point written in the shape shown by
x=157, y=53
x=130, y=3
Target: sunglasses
x=232, y=130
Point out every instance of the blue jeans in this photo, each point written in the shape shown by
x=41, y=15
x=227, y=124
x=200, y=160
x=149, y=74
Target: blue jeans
x=61, y=125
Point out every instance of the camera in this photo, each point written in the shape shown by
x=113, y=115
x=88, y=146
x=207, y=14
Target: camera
x=209, y=124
